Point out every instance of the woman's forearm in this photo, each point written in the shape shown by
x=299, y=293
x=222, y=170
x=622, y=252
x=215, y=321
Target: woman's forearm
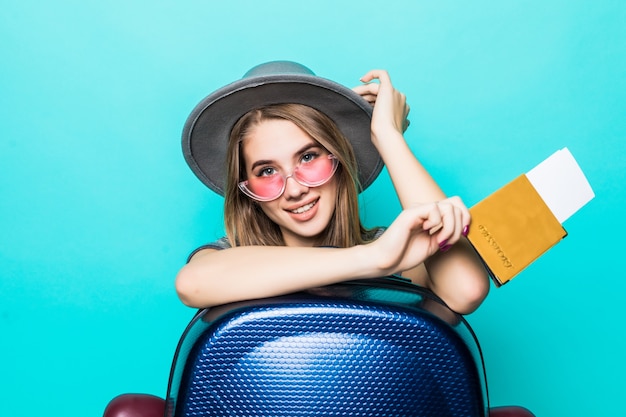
x=412, y=182
x=250, y=272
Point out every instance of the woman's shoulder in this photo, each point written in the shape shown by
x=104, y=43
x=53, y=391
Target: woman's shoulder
x=220, y=244
x=378, y=231
x=373, y=233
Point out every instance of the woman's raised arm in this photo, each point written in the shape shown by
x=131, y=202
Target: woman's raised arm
x=456, y=274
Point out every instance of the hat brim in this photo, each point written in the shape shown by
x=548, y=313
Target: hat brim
x=207, y=129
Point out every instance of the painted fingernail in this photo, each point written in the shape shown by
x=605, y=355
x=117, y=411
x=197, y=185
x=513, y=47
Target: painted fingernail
x=443, y=244
x=466, y=230
x=445, y=248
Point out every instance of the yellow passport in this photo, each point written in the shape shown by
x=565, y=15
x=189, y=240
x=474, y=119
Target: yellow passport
x=518, y=223
x=511, y=228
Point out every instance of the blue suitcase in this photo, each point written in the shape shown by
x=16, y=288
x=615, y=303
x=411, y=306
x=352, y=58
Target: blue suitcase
x=381, y=347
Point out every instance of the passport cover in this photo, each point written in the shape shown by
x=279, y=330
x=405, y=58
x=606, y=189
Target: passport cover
x=511, y=228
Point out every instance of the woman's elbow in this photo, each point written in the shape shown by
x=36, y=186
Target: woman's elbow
x=186, y=288
x=469, y=295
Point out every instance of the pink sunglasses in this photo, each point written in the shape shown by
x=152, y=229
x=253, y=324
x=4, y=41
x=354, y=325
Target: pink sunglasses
x=270, y=184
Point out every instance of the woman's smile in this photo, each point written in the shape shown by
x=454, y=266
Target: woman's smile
x=304, y=208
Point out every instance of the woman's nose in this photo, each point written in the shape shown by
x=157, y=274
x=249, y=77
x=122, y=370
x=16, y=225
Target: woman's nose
x=293, y=189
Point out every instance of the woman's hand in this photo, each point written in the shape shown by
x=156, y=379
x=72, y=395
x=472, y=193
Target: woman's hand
x=418, y=233
x=390, y=106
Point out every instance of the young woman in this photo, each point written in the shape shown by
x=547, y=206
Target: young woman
x=291, y=194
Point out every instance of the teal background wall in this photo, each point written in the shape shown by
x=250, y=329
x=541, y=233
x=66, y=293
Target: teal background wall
x=98, y=209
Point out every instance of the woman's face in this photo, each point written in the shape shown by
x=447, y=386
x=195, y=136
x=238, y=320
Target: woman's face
x=301, y=212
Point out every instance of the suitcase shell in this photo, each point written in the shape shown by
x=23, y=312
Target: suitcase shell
x=381, y=347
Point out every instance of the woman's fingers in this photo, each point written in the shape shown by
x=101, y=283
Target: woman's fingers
x=368, y=91
x=380, y=75
x=455, y=222
x=445, y=220
x=391, y=108
x=465, y=214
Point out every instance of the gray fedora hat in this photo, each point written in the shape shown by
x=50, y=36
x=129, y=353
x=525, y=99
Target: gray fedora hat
x=207, y=129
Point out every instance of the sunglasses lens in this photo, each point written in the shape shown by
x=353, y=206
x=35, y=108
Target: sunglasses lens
x=264, y=188
x=316, y=172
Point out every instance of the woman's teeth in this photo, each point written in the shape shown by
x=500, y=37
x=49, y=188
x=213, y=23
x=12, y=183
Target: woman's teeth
x=303, y=209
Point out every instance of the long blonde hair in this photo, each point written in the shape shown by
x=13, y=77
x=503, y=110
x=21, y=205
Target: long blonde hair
x=246, y=224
